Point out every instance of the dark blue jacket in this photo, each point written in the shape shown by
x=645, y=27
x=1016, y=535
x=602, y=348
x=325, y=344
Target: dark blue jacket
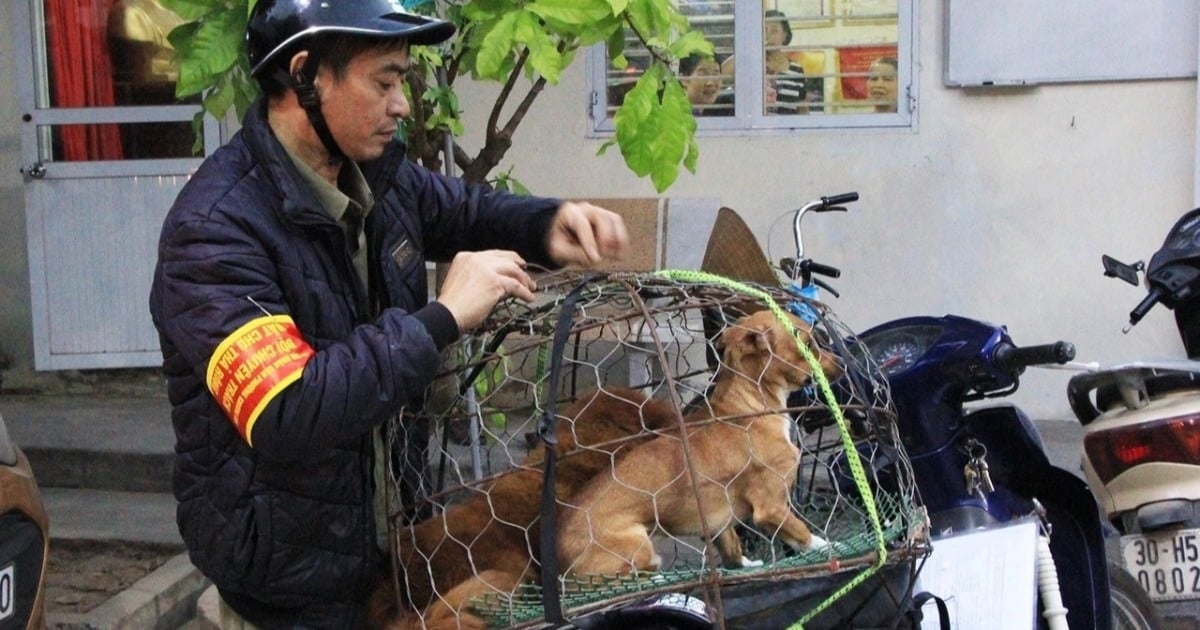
x=285, y=528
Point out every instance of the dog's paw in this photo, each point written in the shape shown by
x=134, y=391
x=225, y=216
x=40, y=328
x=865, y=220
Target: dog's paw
x=817, y=542
x=747, y=563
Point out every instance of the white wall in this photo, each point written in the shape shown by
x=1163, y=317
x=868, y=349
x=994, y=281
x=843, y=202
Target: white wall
x=997, y=207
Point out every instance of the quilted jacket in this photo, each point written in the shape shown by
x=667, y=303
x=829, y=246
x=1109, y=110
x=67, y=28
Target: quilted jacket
x=285, y=527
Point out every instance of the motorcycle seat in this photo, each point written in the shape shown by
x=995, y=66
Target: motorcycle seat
x=1109, y=396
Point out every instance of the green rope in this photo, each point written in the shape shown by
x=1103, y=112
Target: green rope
x=852, y=456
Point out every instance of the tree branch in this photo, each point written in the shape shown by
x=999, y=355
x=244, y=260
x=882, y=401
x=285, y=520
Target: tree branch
x=523, y=107
x=502, y=99
x=420, y=140
x=646, y=44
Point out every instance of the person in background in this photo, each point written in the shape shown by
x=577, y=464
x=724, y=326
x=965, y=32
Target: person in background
x=620, y=83
x=291, y=302
x=882, y=86
x=701, y=78
x=784, y=79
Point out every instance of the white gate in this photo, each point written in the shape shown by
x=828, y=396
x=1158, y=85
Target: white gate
x=105, y=148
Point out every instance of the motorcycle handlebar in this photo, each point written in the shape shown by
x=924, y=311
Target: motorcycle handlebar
x=794, y=269
x=1143, y=307
x=1010, y=357
x=834, y=200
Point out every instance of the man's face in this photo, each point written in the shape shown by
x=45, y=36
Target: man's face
x=363, y=108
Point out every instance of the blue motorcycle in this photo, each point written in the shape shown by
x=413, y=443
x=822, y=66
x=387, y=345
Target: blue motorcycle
x=981, y=470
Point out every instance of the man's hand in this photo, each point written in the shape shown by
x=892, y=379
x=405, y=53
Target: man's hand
x=476, y=281
x=585, y=235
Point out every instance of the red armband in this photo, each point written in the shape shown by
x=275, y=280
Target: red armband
x=253, y=365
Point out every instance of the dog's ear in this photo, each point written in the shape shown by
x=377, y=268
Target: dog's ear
x=749, y=336
x=731, y=337
x=755, y=337
x=762, y=337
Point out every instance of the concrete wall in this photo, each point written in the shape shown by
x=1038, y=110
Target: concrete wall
x=997, y=206
x=16, y=328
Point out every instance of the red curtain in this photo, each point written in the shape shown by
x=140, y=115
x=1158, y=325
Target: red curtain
x=81, y=74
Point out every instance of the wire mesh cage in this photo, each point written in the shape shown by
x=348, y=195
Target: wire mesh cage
x=628, y=435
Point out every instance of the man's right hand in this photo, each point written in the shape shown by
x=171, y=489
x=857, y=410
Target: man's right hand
x=476, y=281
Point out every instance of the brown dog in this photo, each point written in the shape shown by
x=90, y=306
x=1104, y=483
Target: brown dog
x=487, y=544
x=745, y=463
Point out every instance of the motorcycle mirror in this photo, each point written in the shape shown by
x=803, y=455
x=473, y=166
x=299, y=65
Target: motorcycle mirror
x=1114, y=268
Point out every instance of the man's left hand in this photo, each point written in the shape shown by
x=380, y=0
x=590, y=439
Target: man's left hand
x=585, y=235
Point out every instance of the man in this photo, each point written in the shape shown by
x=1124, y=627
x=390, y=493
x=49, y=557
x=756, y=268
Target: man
x=289, y=335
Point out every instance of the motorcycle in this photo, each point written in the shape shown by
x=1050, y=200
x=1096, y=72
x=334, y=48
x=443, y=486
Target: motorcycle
x=24, y=541
x=1141, y=455
x=983, y=470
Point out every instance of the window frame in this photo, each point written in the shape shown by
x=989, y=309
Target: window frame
x=33, y=88
x=749, y=120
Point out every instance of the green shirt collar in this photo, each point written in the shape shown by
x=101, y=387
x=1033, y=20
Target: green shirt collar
x=332, y=198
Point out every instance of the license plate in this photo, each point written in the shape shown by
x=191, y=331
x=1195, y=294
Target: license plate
x=1167, y=563
x=8, y=589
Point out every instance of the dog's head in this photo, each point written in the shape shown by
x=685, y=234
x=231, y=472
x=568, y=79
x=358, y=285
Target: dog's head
x=759, y=347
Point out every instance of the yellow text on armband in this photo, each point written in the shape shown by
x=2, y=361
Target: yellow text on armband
x=253, y=365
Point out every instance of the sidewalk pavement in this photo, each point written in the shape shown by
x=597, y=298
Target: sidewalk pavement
x=103, y=466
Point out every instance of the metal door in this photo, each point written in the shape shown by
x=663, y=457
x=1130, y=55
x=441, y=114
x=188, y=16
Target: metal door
x=93, y=208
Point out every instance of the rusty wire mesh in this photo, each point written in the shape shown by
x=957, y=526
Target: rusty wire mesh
x=465, y=512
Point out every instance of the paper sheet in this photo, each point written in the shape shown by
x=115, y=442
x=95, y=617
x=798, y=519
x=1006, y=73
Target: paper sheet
x=987, y=578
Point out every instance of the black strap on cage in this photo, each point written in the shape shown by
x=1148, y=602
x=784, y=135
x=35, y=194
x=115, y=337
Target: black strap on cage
x=914, y=613
x=548, y=543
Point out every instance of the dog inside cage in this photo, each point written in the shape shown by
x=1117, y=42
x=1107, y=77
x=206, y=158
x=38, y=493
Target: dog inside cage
x=630, y=435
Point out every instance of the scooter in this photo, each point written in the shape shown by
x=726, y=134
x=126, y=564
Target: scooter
x=983, y=470
x=1142, y=430
x=24, y=541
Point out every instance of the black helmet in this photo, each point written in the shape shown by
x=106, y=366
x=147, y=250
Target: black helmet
x=275, y=25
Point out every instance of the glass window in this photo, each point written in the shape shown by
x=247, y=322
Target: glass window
x=784, y=64
x=119, y=141
x=113, y=54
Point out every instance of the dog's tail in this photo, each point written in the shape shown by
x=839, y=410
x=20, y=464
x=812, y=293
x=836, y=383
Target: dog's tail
x=385, y=612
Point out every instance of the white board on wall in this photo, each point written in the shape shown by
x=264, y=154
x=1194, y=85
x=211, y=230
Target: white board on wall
x=1027, y=42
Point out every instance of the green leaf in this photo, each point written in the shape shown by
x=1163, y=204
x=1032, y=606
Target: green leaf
x=213, y=49
x=656, y=128
x=571, y=12
x=496, y=47
x=635, y=122
x=487, y=10
x=652, y=18
x=616, y=42
x=544, y=57
x=671, y=145
x=618, y=6
x=600, y=31
x=221, y=97
x=691, y=42
x=188, y=9
x=198, y=132
x=181, y=36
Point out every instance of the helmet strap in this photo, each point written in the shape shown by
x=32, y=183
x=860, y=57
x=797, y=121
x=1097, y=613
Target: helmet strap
x=304, y=84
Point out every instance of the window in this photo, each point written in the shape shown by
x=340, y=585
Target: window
x=106, y=88
x=783, y=65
